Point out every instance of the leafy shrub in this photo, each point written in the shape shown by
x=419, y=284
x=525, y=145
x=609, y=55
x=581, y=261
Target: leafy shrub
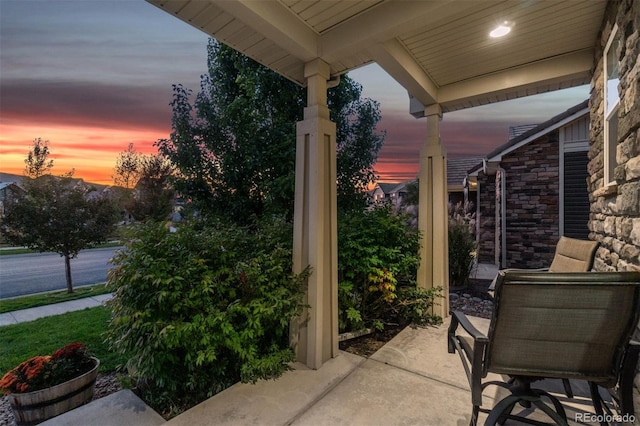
x=414, y=305
x=462, y=243
x=201, y=308
x=377, y=260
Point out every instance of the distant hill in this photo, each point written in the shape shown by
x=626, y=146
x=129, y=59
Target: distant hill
x=8, y=177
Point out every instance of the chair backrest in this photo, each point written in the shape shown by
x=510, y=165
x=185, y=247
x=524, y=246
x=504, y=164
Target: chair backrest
x=573, y=255
x=565, y=325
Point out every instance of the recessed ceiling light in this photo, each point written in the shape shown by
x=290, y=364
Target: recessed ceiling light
x=500, y=31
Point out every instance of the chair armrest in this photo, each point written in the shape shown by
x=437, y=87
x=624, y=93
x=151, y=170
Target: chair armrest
x=468, y=327
x=472, y=357
x=459, y=318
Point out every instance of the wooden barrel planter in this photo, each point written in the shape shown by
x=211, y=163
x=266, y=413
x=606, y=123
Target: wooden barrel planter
x=31, y=408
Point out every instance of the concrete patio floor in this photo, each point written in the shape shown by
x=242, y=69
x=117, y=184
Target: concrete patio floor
x=412, y=380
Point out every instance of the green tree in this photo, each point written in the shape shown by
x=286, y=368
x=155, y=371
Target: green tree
x=56, y=215
x=234, y=147
x=37, y=161
x=358, y=142
x=413, y=194
x=127, y=170
x=153, y=196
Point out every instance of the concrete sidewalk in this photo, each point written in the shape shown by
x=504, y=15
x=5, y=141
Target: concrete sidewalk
x=31, y=314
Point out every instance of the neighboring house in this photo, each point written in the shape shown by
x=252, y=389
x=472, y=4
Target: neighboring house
x=458, y=188
x=8, y=191
x=532, y=190
x=393, y=192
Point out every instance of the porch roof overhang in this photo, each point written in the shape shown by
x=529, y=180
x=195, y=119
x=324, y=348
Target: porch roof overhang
x=439, y=50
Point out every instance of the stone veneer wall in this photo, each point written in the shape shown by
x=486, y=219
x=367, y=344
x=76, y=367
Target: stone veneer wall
x=486, y=216
x=532, y=206
x=615, y=210
x=532, y=176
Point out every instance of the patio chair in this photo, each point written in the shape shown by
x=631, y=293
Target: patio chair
x=571, y=255
x=560, y=325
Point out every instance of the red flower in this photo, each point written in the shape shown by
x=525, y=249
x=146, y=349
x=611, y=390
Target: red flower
x=9, y=380
x=41, y=372
x=33, y=367
x=72, y=350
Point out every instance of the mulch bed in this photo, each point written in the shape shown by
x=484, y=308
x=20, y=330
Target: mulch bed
x=367, y=345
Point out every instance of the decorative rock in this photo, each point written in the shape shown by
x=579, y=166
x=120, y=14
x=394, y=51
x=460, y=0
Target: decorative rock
x=472, y=306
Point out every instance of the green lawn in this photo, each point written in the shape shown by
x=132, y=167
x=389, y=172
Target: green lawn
x=25, y=302
x=43, y=336
x=22, y=250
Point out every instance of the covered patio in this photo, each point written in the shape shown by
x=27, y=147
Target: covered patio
x=412, y=380
x=441, y=52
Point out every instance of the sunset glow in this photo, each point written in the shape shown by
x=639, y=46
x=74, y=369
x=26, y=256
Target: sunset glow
x=90, y=151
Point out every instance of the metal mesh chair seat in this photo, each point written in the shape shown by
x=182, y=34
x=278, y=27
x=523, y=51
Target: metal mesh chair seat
x=560, y=325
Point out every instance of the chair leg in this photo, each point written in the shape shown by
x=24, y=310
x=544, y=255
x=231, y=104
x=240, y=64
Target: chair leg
x=474, y=416
x=567, y=388
x=522, y=392
x=559, y=415
x=627, y=374
x=598, y=403
x=502, y=420
x=559, y=418
x=501, y=410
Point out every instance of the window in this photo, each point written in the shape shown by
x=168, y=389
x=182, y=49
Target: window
x=611, y=103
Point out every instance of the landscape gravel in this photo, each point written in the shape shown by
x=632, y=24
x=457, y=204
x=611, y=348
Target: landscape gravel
x=470, y=305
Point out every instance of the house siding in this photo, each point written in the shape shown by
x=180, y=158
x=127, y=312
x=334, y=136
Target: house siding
x=532, y=206
x=532, y=176
x=614, y=218
x=486, y=215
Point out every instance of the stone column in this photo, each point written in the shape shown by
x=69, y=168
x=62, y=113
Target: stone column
x=315, y=333
x=433, y=215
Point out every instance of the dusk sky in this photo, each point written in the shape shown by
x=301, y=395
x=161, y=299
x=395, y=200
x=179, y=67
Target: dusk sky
x=93, y=76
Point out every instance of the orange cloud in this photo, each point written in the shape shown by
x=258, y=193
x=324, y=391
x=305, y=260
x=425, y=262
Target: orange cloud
x=90, y=151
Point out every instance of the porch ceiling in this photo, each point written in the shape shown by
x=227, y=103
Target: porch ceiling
x=439, y=50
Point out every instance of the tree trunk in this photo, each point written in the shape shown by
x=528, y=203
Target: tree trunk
x=67, y=269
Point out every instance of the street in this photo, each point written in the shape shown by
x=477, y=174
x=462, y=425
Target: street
x=23, y=274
